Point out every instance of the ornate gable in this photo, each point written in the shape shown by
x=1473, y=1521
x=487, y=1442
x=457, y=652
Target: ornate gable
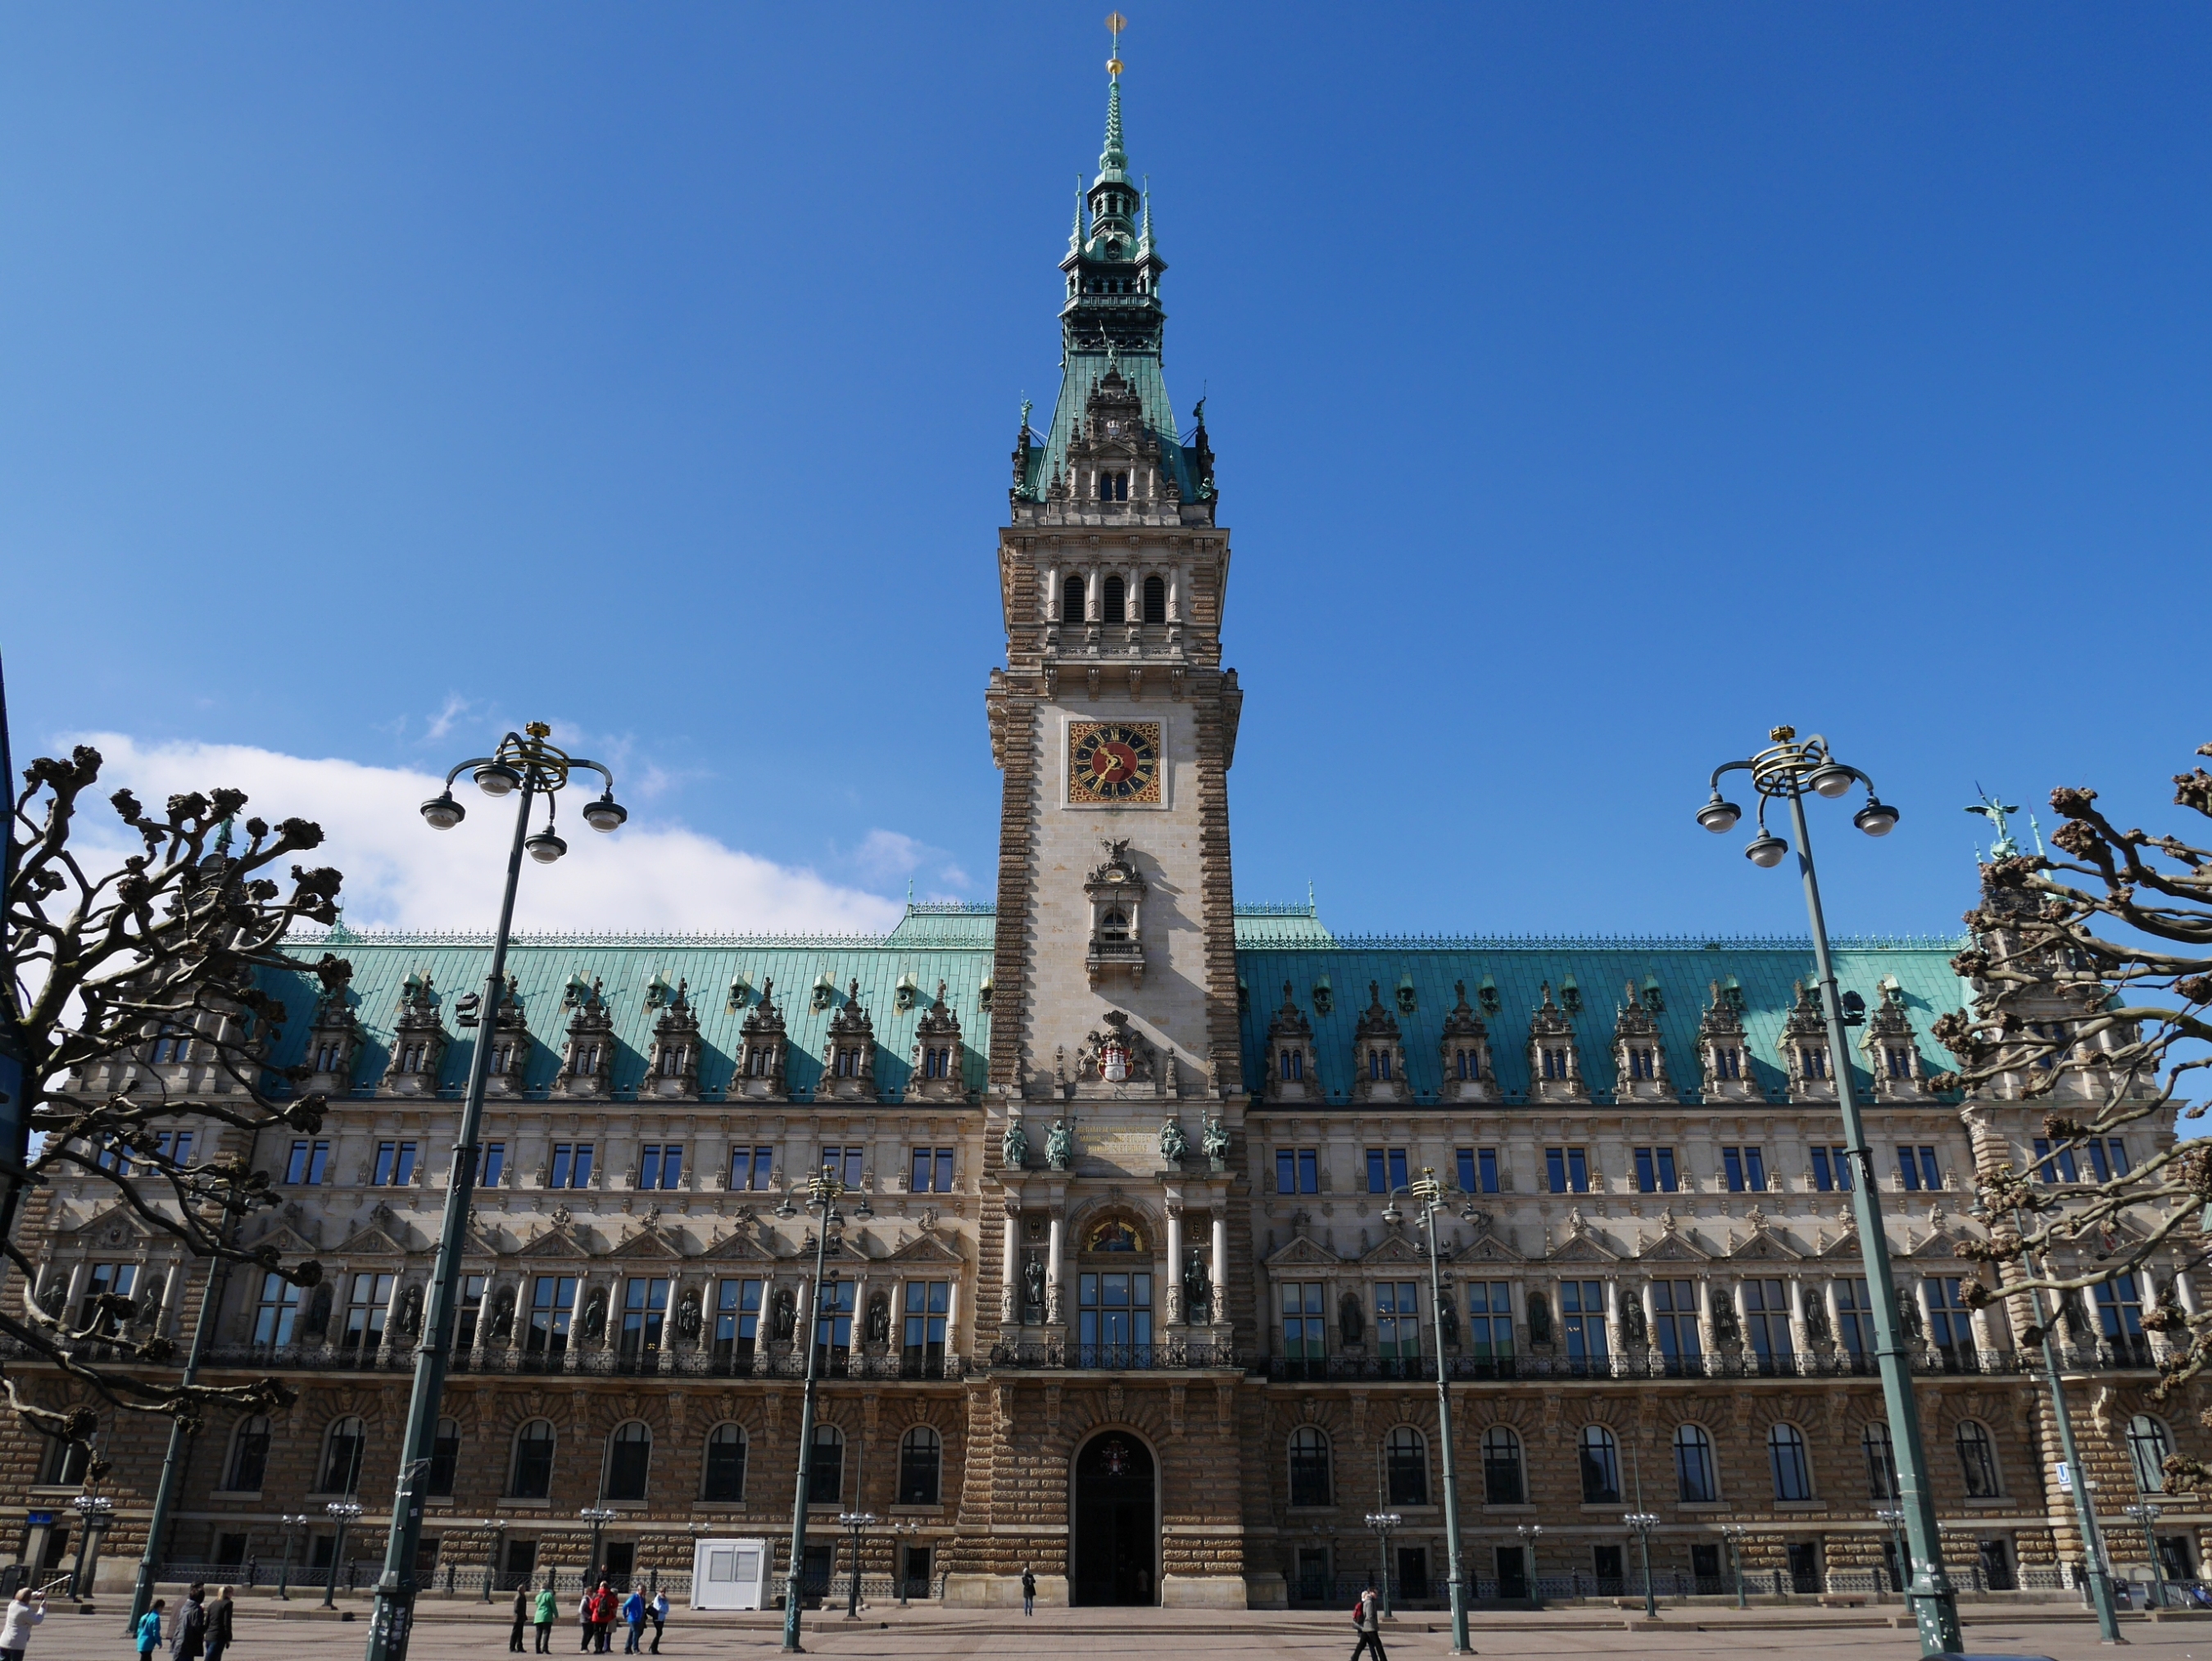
x=937, y=1074
x=672, y=1071
x=763, y=1051
x=1464, y=1051
x=1555, y=1065
x=1639, y=1054
x=1394, y=1248
x=848, y=1059
x=1301, y=1251
x=1672, y=1245
x=372, y=1239
x=1582, y=1244
x=1290, y=1071
x=1379, y=1058
x=558, y=1241
x=650, y=1241
x=1763, y=1243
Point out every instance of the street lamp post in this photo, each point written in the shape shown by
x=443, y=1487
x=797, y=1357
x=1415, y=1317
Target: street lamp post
x=498, y=1527
x=1382, y=1521
x=343, y=1512
x=2146, y=1513
x=905, y=1528
x=858, y=1521
x=1644, y=1522
x=526, y=767
x=1530, y=1533
x=598, y=1517
x=824, y=1189
x=292, y=1523
x=94, y=1510
x=1784, y=772
x=1893, y=1519
x=1428, y=1193
x=1736, y=1533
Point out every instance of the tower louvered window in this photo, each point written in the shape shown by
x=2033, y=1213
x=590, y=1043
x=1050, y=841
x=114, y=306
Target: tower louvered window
x=1071, y=600
x=1156, y=600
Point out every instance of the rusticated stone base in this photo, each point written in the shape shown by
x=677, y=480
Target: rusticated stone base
x=1002, y=1592
x=1204, y=1592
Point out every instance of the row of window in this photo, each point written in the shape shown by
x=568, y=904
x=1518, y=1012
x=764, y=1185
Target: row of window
x=659, y=1166
x=1657, y=1170
x=1114, y=595
x=1556, y=1062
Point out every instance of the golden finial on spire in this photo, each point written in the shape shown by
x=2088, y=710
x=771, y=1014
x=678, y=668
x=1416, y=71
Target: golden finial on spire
x=1114, y=24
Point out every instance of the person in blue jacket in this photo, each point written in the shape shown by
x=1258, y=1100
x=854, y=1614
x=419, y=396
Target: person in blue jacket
x=633, y=1618
x=150, y=1630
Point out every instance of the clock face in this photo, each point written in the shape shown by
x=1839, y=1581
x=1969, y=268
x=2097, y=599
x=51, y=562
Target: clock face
x=1114, y=761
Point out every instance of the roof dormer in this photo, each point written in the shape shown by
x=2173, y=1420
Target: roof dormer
x=1378, y=1055
x=763, y=1051
x=1893, y=1053
x=938, y=1075
x=334, y=1035
x=672, y=1070
x=1805, y=1050
x=1639, y=1055
x=1469, y=1074
x=418, y=1041
x=1722, y=1050
x=587, y=1067
x=848, y=1060
x=1555, y=1065
x=1292, y=1075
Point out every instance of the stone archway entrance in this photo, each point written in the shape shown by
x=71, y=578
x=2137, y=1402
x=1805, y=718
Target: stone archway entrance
x=1117, y=1536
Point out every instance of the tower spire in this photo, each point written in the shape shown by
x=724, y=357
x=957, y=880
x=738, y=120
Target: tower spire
x=1113, y=160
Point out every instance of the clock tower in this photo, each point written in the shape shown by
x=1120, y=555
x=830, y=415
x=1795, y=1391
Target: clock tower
x=1114, y=983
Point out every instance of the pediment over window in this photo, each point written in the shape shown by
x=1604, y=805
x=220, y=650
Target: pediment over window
x=1489, y=1248
x=556, y=1242
x=647, y=1243
x=1394, y=1248
x=1672, y=1245
x=1302, y=1252
x=372, y=1240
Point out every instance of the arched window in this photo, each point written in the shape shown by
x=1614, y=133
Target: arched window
x=825, y=1471
x=249, y=1455
x=445, y=1456
x=65, y=1464
x=531, y=1477
x=1156, y=600
x=629, y=1450
x=725, y=1466
x=1310, y=1484
x=1785, y=1452
x=1406, y=1461
x=1978, y=1460
x=1115, y=609
x=1113, y=926
x=1501, y=1467
x=921, y=1458
x=1071, y=600
x=1693, y=1466
x=2150, y=1442
x=1881, y=1462
x=1600, y=1462
x=342, y=1447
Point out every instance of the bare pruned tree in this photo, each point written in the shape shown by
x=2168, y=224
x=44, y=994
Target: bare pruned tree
x=126, y=983
x=2092, y=972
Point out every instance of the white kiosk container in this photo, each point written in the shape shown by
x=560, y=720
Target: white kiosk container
x=729, y=1574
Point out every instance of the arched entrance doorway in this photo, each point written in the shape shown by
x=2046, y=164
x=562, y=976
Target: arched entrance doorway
x=1116, y=1528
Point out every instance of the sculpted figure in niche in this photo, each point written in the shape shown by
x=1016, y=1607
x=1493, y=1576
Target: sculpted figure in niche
x=1447, y=1314
x=1351, y=1320
x=1014, y=1147
x=1197, y=1289
x=1634, y=1332
x=1173, y=1143
x=411, y=1312
x=1059, y=1146
x=1033, y=1282
x=502, y=1315
x=879, y=1319
x=686, y=1316
x=595, y=1316
x=783, y=1314
x=1539, y=1318
x=1215, y=1141
x=318, y=1312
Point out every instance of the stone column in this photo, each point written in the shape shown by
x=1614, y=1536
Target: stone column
x=1175, y=1309
x=173, y=1295
x=951, y=1321
x=577, y=1301
x=1927, y=1314
x=1614, y=1347
x=1052, y=595
x=2184, y=1290
x=1093, y=599
x=392, y=1314
x=856, y=1361
x=1052, y=1267
x=1800, y=1339
x=79, y=1273
x=1652, y=1330
x=1010, y=1268
x=484, y=1321
x=1835, y=1315
x=1220, y=1265
x=1708, y=1341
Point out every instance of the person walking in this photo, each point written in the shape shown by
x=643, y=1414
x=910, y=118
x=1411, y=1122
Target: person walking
x=220, y=1627
x=584, y=1618
x=149, y=1630
x=521, y=1619
x=1028, y=1590
x=603, y=1615
x=657, y=1610
x=188, y=1638
x=1367, y=1616
x=26, y=1610
x=547, y=1611
x=632, y=1615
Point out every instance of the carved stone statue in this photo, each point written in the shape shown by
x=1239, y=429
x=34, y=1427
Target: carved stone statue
x=411, y=1312
x=1539, y=1318
x=1033, y=1282
x=595, y=1317
x=318, y=1312
x=687, y=1317
x=1634, y=1332
x=783, y=1314
x=1173, y=1143
x=1214, y=1140
x=1197, y=1289
x=1014, y=1146
x=879, y=1319
x=502, y=1315
x=1059, y=1146
x=1351, y=1320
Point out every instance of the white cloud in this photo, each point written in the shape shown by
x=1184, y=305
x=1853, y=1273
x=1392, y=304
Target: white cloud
x=400, y=873
x=886, y=855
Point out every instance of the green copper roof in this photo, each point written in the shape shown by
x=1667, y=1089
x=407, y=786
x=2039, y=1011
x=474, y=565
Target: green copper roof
x=1084, y=369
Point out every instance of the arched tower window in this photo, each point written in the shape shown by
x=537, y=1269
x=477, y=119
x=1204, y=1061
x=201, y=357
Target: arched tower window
x=1117, y=607
x=1156, y=600
x=1071, y=600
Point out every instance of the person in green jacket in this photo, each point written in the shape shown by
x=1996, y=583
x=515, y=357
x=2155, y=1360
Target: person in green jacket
x=149, y=1630
x=549, y=1611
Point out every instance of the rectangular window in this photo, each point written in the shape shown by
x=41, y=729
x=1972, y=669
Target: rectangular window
x=1568, y=1170
x=660, y=1165
x=1582, y=1313
x=1674, y=1316
x=1478, y=1170
x=2054, y=1167
x=928, y=1305
x=932, y=1171
x=1766, y=1322
x=1293, y=1063
x=2119, y=1319
x=1655, y=1170
x=1899, y=1062
x=1386, y=1170
x=737, y=1321
x=117, y=1278
x=1297, y=1170
x=1916, y=1168
x=1854, y=1318
x=278, y=1314
x=175, y=1146
x=833, y=1324
x=1816, y=1060
x=1305, y=1321
x=395, y=1164
x=1398, y=1320
x=1490, y=1320
x=645, y=1314
x=1555, y=1063
x=1949, y=1328
x=1728, y=1062
x=1746, y=1169
x=2108, y=1157
x=309, y=1160
x=1642, y=1062
x=843, y=1163
x=1831, y=1169
x=552, y=1300
x=464, y=1320
x=572, y=1165
x=365, y=1306
x=495, y=1165
x=751, y=1168
x=1114, y=1316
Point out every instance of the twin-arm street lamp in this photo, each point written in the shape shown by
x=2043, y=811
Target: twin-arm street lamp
x=525, y=767
x=96, y=1511
x=2146, y=1512
x=293, y=1522
x=824, y=1189
x=1530, y=1533
x=342, y=1511
x=1384, y=1523
x=1783, y=773
x=1428, y=1193
x=1737, y=1533
x=859, y=1521
x=1644, y=1522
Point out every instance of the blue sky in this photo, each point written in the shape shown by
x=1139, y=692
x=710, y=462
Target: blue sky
x=1592, y=386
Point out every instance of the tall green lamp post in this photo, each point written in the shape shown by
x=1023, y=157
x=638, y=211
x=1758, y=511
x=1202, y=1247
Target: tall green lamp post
x=1784, y=772
x=1644, y=1522
x=1737, y=1534
x=1428, y=1193
x=824, y=1189
x=524, y=766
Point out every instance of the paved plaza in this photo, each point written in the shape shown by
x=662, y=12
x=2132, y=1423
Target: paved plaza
x=451, y=1633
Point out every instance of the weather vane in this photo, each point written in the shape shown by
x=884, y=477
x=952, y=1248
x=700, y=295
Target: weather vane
x=1115, y=23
